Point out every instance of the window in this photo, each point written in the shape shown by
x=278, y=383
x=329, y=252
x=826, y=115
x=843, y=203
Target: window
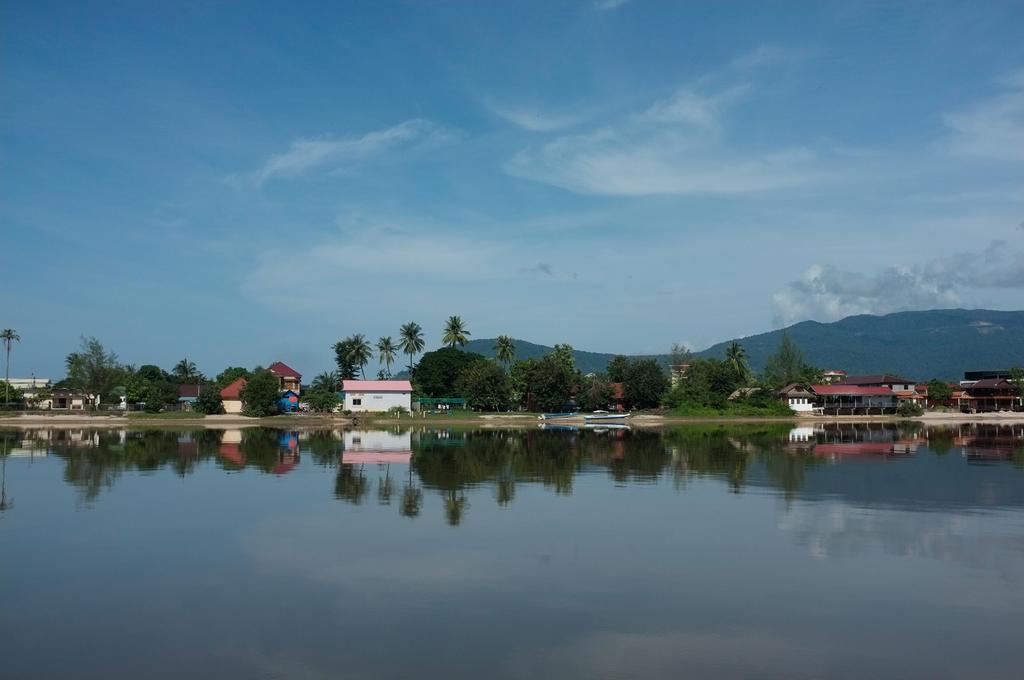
x=357, y=402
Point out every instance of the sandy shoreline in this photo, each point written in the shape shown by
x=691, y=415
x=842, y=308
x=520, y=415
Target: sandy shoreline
x=487, y=421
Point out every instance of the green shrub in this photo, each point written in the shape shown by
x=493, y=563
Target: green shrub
x=909, y=409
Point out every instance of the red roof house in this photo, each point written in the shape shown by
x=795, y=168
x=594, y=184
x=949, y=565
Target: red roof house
x=231, y=396
x=288, y=377
x=234, y=390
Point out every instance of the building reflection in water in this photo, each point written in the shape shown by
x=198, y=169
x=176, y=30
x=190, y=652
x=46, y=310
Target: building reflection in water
x=404, y=466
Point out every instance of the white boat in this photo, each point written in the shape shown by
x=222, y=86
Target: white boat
x=603, y=416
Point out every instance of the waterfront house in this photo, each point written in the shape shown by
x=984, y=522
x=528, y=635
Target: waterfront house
x=231, y=396
x=69, y=400
x=187, y=396
x=288, y=378
x=798, y=397
x=895, y=383
x=843, y=399
x=904, y=388
x=834, y=376
x=989, y=395
x=375, y=396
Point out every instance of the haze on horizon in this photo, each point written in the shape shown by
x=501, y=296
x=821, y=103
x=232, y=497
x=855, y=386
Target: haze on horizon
x=239, y=184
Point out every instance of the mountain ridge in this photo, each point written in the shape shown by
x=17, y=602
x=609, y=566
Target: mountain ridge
x=938, y=343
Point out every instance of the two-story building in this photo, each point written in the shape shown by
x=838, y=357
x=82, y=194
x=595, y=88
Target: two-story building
x=288, y=378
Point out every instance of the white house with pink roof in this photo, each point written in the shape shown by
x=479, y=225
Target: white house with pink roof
x=375, y=395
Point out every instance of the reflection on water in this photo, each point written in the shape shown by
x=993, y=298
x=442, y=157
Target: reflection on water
x=699, y=551
x=451, y=461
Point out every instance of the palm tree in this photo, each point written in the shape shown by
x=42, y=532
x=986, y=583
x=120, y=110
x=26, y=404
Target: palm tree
x=186, y=371
x=360, y=352
x=386, y=351
x=326, y=382
x=736, y=357
x=9, y=336
x=412, y=340
x=505, y=349
x=455, y=332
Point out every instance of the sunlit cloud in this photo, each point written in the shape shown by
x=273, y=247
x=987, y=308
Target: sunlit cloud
x=828, y=293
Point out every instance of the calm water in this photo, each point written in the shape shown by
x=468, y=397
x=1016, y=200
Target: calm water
x=697, y=552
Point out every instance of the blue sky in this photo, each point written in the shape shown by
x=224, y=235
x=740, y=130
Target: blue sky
x=244, y=182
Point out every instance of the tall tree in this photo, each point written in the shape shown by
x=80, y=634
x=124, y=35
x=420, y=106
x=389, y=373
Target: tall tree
x=455, y=332
x=360, y=352
x=94, y=369
x=736, y=357
x=9, y=336
x=505, y=349
x=343, y=358
x=786, y=365
x=412, y=340
x=387, y=350
x=186, y=372
x=645, y=383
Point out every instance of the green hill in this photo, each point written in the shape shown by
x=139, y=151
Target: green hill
x=939, y=343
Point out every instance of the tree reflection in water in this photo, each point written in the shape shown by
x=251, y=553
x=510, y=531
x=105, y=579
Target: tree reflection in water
x=451, y=463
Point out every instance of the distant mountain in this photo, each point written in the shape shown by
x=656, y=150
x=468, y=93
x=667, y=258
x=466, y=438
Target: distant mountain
x=941, y=343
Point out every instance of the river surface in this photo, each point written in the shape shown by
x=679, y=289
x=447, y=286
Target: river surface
x=696, y=552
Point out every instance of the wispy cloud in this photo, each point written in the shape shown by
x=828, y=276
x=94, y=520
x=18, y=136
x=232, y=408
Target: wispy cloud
x=677, y=145
x=827, y=293
x=304, y=155
x=605, y=5
x=533, y=118
x=992, y=128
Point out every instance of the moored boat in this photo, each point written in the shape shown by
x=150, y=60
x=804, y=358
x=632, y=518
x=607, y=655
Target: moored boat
x=604, y=416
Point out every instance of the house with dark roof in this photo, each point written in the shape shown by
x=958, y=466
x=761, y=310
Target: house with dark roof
x=798, y=397
x=288, y=378
x=991, y=395
x=187, y=396
x=855, y=400
x=893, y=382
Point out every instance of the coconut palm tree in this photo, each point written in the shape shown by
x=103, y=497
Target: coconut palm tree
x=455, y=332
x=736, y=357
x=326, y=382
x=9, y=336
x=387, y=350
x=186, y=372
x=505, y=349
x=412, y=340
x=359, y=352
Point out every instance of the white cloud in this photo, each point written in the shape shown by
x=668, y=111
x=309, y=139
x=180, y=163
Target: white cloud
x=678, y=145
x=992, y=128
x=306, y=154
x=533, y=118
x=827, y=293
x=605, y=5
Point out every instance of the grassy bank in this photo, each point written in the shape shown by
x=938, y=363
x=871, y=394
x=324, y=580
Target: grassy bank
x=732, y=410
